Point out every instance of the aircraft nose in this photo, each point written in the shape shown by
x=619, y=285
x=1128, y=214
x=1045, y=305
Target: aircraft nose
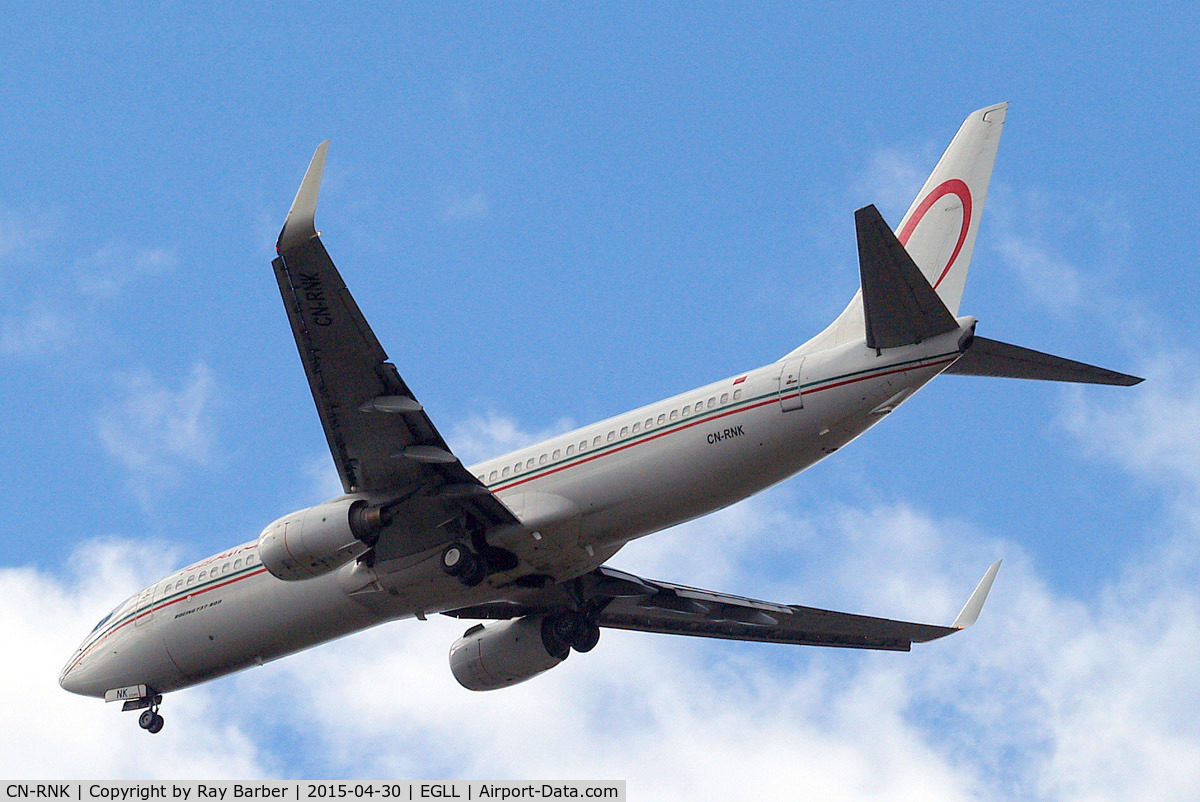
x=75, y=678
x=69, y=680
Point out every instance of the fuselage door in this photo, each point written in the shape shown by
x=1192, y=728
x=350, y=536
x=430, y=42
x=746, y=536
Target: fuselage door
x=144, y=608
x=790, y=396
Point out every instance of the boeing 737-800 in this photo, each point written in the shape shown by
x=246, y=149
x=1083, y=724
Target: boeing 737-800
x=524, y=539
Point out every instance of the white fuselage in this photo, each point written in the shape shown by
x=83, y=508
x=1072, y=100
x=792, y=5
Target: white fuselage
x=625, y=477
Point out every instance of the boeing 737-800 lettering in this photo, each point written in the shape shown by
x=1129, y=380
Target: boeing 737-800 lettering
x=523, y=540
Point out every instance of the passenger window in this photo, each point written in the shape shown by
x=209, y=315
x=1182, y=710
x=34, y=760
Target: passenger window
x=557, y=453
x=225, y=569
x=674, y=414
x=662, y=419
x=687, y=410
x=596, y=440
x=737, y=394
x=191, y=580
x=529, y=463
x=712, y=402
x=624, y=431
x=724, y=398
x=612, y=436
x=649, y=423
x=237, y=563
x=570, y=450
x=637, y=427
x=542, y=460
x=492, y=476
x=203, y=574
x=507, y=470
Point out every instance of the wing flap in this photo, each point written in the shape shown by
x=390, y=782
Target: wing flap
x=646, y=605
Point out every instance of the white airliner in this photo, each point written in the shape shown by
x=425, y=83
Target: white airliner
x=524, y=539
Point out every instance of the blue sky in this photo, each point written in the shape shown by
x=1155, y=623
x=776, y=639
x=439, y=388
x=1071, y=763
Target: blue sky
x=552, y=215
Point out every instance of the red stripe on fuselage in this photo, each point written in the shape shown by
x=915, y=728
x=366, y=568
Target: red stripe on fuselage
x=162, y=606
x=771, y=400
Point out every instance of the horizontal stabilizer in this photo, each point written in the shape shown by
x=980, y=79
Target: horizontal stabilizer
x=987, y=357
x=899, y=305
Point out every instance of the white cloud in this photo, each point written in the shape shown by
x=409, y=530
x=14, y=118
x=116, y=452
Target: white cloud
x=35, y=331
x=1049, y=696
x=1051, y=280
x=891, y=181
x=155, y=431
x=21, y=232
x=492, y=434
x=105, y=273
x=46, y=732
x=1152, y=432
x=465, y=206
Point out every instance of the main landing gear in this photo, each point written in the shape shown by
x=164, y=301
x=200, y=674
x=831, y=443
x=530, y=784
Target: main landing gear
x=468, y=566
x=564, y=631
x=149, y=720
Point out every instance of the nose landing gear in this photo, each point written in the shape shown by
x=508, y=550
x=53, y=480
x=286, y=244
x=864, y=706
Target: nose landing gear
x=149, y=720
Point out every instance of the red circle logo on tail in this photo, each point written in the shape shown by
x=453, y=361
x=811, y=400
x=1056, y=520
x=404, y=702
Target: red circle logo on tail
x=954, y=186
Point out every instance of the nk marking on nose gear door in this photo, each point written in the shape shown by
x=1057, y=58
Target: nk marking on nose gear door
x=789, y=385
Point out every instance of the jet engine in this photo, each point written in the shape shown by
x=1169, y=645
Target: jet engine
x=319, y=539
x=496, y=656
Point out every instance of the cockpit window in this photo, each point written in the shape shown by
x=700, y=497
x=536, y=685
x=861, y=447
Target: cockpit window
x=102, y=622
x=115, y=610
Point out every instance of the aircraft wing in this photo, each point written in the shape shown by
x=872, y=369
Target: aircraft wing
x=379, y=435
x=644, y=605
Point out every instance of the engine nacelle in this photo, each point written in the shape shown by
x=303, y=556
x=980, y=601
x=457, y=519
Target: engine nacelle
x=319, y=539
x=496, y=656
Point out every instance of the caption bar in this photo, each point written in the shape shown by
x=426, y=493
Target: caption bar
x=302, y=791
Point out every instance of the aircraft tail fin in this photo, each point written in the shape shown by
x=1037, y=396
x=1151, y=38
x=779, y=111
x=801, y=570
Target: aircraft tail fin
x=940, y=227
x=986, y=357
x=899, y=305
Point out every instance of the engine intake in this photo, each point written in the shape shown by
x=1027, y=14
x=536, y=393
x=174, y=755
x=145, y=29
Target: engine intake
x=319, y=539
x=496, y=656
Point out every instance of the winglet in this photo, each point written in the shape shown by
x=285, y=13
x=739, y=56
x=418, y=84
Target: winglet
x=970, y=611
x=298, y=228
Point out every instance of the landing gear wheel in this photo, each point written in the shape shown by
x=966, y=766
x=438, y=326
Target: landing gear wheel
x=557, y=632
x=475, y=572
x=150, y=721
x=588, y=637
x=456, y=559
